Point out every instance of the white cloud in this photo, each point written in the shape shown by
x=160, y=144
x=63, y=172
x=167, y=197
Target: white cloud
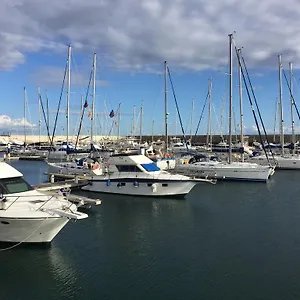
x=50, y=75
x=8, y=123
x=141, y=34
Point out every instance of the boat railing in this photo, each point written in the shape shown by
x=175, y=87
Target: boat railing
x=6, y=199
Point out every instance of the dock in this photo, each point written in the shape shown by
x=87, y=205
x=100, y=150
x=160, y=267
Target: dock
x=69, y=185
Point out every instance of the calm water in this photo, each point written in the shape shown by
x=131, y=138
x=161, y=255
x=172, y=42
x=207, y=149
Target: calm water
x=228, y=241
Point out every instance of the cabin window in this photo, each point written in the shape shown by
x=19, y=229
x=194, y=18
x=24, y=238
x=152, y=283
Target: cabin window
x=164, y=184
x=14, y=185
x=150, y=167
x=128, y=168
x=149, y=184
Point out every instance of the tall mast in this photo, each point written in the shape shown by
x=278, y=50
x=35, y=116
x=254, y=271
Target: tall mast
x=48, y=116
x=208, y=136
x=141, y=122
x=292, y=103
x=280, y=106
x=192, y=119
x=39, y=105
x=119, y=119
x=133, y=121
x=68, y=92
x=93, y=98
x=152, y=131
x=241, y=102
x=166, y=106
x=230, y=99
x=25, y=100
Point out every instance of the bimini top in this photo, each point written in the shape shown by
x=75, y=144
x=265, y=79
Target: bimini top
x=7, y=171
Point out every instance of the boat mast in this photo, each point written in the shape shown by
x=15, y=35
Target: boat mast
x=292, y=111
x=241, y=103
x=25, y=100
x=141, y=122
x=208, y=136
x=230, y=99
x=93, y=98
x=152, y=131
x=40, y=122
x=280, y=106
x=133, y=121
x=68, y=92
x=119, y=119
x=192, y=120
x=48, y=117
x=166, y=106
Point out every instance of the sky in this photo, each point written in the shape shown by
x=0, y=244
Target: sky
x=132, y=40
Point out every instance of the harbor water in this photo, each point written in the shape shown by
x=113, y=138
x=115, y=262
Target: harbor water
x=232, y=240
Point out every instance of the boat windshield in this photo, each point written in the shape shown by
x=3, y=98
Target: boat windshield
x=150, y=167
x=14, y=185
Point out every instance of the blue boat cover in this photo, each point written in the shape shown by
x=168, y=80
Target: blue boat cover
x=150, y=167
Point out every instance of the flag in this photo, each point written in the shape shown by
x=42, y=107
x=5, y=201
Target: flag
x=112, y=114
x=89, y=114
x=85, y=104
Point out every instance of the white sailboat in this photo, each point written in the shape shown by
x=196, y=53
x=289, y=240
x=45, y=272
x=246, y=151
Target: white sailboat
x=136, y=174
x=283, y=161
x=229, y=170
x=27, y=215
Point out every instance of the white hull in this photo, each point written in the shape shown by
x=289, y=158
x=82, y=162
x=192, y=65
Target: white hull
x=141, y=187
x=288, y=163
x=234, y=171
x=41, y=230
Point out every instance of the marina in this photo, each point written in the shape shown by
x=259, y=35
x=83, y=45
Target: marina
x=149, y=150
x=129, y=245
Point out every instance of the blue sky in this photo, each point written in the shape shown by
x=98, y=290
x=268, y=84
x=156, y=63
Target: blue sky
x=130, y=56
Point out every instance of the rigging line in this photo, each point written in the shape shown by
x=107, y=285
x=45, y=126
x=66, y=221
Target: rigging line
x=218, y=123
x=177, y=108
x=201, y=115
x=58, y=107
x=251, y=104
x=85, y=105
x=255, y=100
x=44, y=115
x=291, y=94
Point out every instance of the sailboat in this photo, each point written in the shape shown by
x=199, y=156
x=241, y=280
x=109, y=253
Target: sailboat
x=229, y=170
x=284, y=160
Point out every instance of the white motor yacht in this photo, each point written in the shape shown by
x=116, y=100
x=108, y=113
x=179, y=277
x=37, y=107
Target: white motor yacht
x=27, y=215
x=136, y=174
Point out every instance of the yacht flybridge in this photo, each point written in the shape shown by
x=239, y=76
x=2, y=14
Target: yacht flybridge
x=27, y=215
x=136, y=174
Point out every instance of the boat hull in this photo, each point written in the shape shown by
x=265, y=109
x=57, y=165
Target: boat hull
x=141, y=188
x=283, y=163
x=236, y=174
x=39, y=230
